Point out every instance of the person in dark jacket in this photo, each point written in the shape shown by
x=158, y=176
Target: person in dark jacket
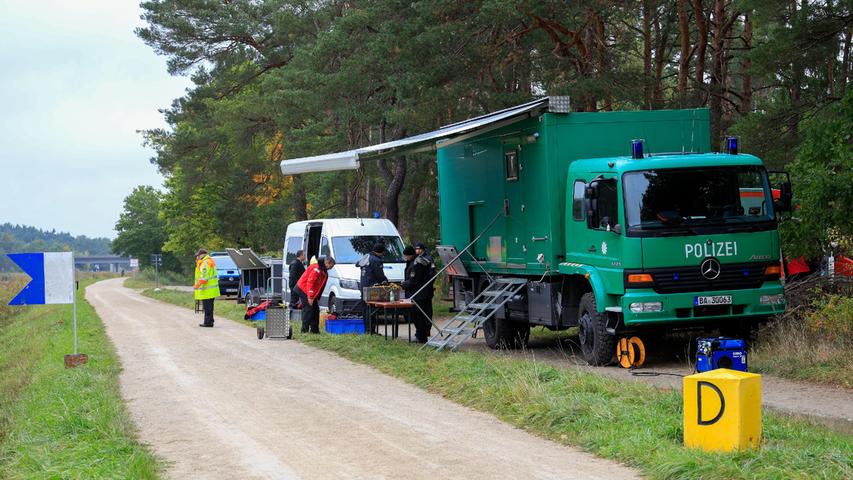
x=418, y=286
x=309, y=288
x=372, y=273
x=372, y=267
x=296, y=269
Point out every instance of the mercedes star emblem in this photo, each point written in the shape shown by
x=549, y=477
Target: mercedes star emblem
x=710, y=268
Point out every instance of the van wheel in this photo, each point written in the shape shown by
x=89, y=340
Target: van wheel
x=501, y=333
x=596, y=344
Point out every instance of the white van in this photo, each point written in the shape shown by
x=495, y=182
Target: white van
x=347, y=240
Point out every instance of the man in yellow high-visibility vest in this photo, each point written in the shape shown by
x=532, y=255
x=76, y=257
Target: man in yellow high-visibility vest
x=206, y=286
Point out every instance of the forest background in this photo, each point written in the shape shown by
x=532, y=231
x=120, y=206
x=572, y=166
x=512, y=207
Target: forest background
x=282, y=79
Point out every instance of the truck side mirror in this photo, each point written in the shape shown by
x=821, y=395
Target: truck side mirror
x=786, y=195
x=591, y=197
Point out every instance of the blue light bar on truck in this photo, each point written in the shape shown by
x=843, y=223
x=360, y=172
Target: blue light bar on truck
x=637, y=149
x=731, y=145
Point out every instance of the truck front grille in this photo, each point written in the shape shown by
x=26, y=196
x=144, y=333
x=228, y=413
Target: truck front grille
x=733, y=276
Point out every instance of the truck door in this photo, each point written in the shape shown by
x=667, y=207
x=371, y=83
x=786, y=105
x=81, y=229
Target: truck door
x=600, y=245
x=515, y=237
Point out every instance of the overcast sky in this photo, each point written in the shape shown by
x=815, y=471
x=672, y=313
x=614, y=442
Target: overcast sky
x=75, y=86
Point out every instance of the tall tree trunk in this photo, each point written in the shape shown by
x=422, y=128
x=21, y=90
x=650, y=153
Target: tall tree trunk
x=662, y=23
x=394, y=183
x=300, y=201
x=701, y=47
x=746, y=66
x=845, y=60
x=797, y=74
x=647, y=54
x=393, y=180
x=415, y=189
x=719, y=61
x=684, y=57
x=605, y=59
x=832, y=64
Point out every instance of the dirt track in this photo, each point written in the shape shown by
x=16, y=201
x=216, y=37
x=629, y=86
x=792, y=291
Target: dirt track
x=218, y=403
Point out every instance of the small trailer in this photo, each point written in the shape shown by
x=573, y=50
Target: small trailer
x=260, y=277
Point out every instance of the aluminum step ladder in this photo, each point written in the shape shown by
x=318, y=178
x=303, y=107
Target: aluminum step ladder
x=481, y=308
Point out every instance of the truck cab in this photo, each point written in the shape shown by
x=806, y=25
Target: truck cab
x=672, y=239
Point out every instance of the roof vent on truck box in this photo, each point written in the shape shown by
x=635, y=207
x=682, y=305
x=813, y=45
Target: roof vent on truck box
x=559, y=104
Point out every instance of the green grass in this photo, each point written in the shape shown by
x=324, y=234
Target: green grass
x=813, y=344
x=625, y=421
x=58, y=423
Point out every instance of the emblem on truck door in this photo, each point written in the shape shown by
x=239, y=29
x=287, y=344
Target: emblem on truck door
x=710, y=268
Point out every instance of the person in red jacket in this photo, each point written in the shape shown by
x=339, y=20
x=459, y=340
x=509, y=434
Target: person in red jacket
x=310, y=289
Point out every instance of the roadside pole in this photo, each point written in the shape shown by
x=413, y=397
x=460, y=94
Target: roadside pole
x=74, y=294
x=156, y=259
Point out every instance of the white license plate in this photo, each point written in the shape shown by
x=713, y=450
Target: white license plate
x=230, y=290
x=712, y=300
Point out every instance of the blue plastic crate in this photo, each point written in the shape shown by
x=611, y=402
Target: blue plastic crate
x=342, y=326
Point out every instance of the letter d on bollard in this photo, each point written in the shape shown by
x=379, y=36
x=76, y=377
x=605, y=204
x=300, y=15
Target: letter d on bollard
x=722, y=410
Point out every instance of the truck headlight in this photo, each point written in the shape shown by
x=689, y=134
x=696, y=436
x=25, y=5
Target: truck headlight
x=349, y=284
x=772, y=299
x=646, y=307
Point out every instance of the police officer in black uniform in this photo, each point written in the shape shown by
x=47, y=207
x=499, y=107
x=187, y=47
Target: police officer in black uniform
x=372, y=273
x=419, y=287
x=296, y=269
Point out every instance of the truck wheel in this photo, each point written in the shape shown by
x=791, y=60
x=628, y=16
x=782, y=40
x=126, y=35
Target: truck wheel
x=596, y=344
x=505, y=334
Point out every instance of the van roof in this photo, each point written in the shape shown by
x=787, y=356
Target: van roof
x=336, y=227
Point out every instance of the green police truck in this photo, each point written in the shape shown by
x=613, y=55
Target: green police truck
x=611, y=222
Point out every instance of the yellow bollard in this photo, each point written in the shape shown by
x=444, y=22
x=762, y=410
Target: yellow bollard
x=722, y=410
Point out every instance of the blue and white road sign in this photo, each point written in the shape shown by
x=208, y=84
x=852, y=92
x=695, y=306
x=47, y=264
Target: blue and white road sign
x=52, y=275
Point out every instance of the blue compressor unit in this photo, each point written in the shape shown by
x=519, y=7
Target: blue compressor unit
x=721, y=352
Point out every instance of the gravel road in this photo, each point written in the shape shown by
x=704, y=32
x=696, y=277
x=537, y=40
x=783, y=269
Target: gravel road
x=218, y=403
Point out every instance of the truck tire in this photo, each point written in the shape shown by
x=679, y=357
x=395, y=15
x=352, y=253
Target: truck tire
x=502, y=333
x=597, y=345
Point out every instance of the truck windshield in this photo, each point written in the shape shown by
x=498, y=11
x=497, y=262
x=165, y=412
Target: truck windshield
x=352, y=249
x=724, y=199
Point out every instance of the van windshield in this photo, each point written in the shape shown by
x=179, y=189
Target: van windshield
x=223, y=262
x=352, y=249
x=685, y=200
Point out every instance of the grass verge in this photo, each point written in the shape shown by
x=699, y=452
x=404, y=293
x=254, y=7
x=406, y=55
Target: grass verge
x=626, y=421
x=58, y=423
x=813, y=344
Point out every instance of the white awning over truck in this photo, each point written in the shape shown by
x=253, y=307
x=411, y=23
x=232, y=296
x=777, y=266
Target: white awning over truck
x=456, y=132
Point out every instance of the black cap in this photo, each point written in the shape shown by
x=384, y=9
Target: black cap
x=379, y=248
x=420, y=245
x=409, y=250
